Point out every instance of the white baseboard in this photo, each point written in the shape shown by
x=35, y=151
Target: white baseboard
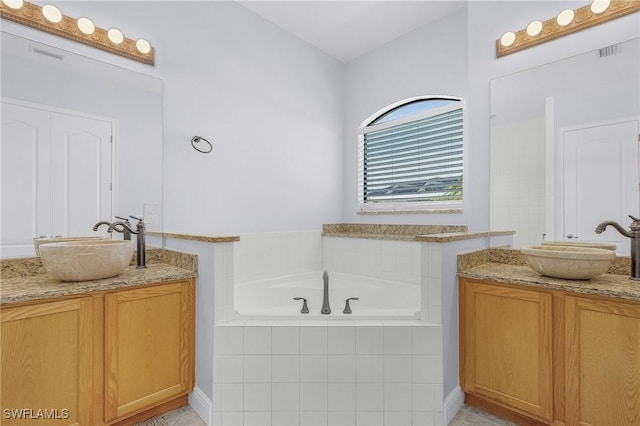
x=452, y=404
x=201, y=405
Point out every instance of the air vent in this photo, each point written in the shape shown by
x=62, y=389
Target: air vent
x=610, y=50
x=45, y=53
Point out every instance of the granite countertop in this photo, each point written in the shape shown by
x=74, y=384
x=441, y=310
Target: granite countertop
x=508, y=266
x=421, y=233
x=42, y=286
x=24, y=280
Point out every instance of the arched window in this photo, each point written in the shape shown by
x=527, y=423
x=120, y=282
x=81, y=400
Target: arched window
x=410, y=155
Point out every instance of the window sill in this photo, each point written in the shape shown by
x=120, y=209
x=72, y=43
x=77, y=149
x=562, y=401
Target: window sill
x=421, y=211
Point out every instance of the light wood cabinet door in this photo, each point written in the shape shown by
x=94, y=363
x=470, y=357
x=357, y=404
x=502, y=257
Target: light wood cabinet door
x=46, y=363
x=149, y=347
x=602, y=362
x=507, y=346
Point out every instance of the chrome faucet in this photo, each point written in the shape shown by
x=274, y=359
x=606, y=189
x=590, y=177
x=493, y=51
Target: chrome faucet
x=140, y=241
x=634, y=235
x=325, y=297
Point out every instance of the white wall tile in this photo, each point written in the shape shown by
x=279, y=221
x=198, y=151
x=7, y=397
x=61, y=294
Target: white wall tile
x=285, y=396
x=285, y=368
x=257, y=397
x=397, y=368
x=232, y=369
x=230, y=397
x=398, y=419
x=427, y=369
x=313, y=340
x=341, y=340
x=369, y=418
x=369, y=396
x=313, y=368
x=423, y=419
x=217, y=368
x=257, y=368
x=424, y=396
x=369, y=368
x=232, y=418
x=341, y=419
x=341, y=397
x=257, y=340
x=397, y=397
x=285, y=340
x=426, y=340
x=285, y=418
x=397, y=340
x=257, y=418
x=216, y=418
x=313, y=397
x=369, y=340
x=341, y=368
x=313, y=418
x=232, y=340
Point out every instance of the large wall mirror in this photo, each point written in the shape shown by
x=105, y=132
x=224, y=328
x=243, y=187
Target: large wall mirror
x=81, y=142
x=564, y=147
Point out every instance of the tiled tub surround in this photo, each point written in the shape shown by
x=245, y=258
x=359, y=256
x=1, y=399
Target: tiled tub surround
x=365, y=368
x=328, y=373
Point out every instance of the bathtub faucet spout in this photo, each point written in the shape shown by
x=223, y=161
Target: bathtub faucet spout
x=325, y=298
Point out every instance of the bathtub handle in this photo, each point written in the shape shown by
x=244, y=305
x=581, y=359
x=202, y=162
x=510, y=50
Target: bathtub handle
x=305, y=308
x=347, y=308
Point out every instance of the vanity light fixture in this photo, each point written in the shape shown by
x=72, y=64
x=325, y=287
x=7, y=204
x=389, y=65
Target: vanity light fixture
x=50, y=19
x=568, y=21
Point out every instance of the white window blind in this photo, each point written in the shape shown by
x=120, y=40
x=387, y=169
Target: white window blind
x=414, y=159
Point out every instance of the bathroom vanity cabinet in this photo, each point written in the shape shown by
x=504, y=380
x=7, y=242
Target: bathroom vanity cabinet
x=540, y=356
x=105, y=358
x=149, y=347
x=46, y=355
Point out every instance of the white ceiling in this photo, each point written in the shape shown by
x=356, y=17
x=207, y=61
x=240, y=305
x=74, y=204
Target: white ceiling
x=348, y=29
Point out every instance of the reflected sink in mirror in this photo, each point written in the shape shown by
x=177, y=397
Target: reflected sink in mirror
x=86, y=260
x=587, y=244
x=37, y=242
x=572, y=263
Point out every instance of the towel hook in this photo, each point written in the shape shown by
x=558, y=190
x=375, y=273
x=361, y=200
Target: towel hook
x=197, y=139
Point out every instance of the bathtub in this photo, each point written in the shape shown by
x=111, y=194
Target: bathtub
x=378, y=299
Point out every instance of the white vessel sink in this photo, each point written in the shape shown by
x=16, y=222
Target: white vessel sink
x=37, y=242
x=587, y=244
x=568, y=262
x=86, y=260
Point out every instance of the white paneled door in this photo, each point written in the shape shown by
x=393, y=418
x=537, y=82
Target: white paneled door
x=601, y=181
x=55, y=176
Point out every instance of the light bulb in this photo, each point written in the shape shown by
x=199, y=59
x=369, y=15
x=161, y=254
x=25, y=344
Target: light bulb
x=13, y=4
x=565, y=17
x=52, y=13
x=599, y=6
x=115, y=36
x=507, y=39
x=143, y=46
x=534, y=28
x=86, y=26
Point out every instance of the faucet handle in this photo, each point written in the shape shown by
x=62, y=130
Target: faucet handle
x=347, y=308
x=305, y=308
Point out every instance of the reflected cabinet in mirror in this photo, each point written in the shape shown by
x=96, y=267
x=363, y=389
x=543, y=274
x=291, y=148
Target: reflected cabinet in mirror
x=564, y=148
x=81, y=142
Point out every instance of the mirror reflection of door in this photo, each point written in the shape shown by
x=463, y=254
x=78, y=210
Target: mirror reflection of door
x=600, y=181
x=56, y=171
